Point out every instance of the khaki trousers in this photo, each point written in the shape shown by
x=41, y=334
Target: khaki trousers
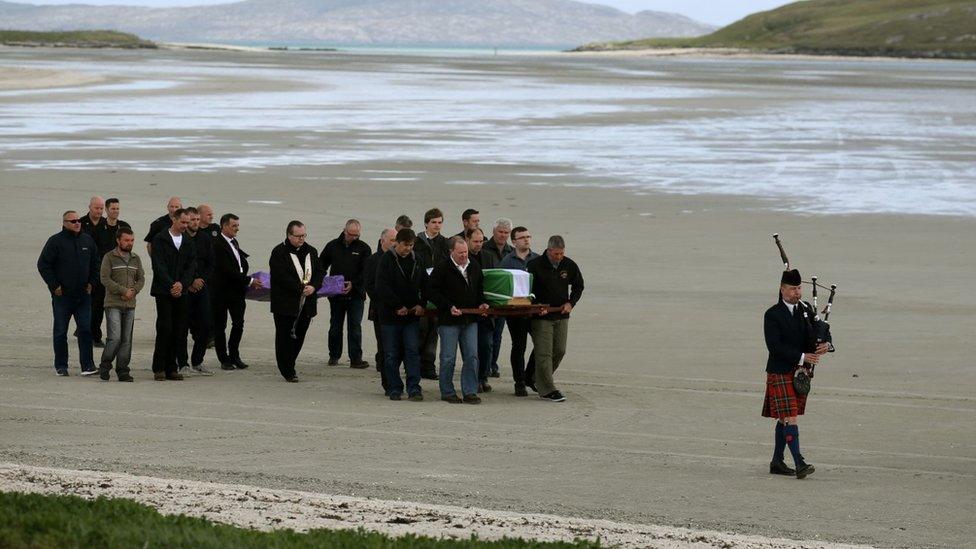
x=549, y=348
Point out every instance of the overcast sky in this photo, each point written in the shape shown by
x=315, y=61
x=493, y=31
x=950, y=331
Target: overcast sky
x=716, y=12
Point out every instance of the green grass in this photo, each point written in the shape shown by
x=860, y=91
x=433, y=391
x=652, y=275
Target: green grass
x=85, y=39
x=39, y=522
x=908, y=28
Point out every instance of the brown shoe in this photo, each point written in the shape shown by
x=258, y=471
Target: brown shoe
x=359, y=364
x=159, y=376
x=472, y=399
x=174, y=377
x=453, y=399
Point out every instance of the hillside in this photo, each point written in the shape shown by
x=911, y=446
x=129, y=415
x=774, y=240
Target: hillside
x=493, y=23
x=73, y=39
x=901, y=28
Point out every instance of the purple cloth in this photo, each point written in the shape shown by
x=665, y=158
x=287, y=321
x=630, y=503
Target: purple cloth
x=331, y=285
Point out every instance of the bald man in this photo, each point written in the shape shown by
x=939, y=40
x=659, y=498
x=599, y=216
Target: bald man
x=207, y=224
x=163, y=223
x=91, y=224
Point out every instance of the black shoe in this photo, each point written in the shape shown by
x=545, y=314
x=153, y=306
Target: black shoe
x=159, y=376
x=359, y=364
x=780, y=468
x=453, y=399
x=416, y=397
x=394, y=396
x=239, y=364
x=494, y=373
x=227, y=366
x=333, y=362
x=62, y=373
x=802, y=471
x=173, y=377
x=484, y=388
x=520, y=390
x=126, y=378
x=531, y=385
x=554, y=396
x=292, y=379
x=104, y=375
x=472, y=399
x=91, y=372
x=98, y=343
x=429, y=375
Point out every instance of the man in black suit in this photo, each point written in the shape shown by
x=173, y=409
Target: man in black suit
x=174, y=266
x=201, y=310
x=387, y=238
x=786, y=327
x=163, y=222
x=431, y=247
x=230, y=283
x=296, y=276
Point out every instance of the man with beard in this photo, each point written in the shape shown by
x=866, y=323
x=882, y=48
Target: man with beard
x=200, y=321
x=296, y=276
x=123, y=277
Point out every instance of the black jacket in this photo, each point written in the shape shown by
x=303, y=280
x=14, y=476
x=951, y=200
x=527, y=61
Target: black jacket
x=447, y=288
x=555, y=286
x=229, y=281
x=103, y=234
x=786, y=338
x=71, y=261
x=431, y=251
x=348, y=261
x=484, y=259
x=400, y=282
x=157, y=226
x=171, y=265
x=369, y=281
x=286, y=286
x=491, y=250
x=205, y=255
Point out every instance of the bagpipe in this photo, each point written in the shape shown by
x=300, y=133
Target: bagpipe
x=818, y=331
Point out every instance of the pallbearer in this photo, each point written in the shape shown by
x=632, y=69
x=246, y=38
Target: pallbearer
x=788, y=335
x=296, y=276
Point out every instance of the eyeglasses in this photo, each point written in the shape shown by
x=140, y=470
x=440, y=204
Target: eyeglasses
x=302, y=236
x=72, y=221
x=523, y=237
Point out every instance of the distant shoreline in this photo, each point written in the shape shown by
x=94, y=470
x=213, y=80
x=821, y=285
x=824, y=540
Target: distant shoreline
x=743, y=53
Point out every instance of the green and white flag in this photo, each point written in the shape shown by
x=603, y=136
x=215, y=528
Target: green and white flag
x=502, y=285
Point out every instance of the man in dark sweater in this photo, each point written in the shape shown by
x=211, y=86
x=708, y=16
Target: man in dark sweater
x=69, y=264
x=557, y=282
x=401, y=280
x=163, y=222
x=431, y=246
x=385, y=243
x=497, y=247
x=456, y=283
x=94, y=223
x=346, y=256
x=200, y=323
x=296, y=276
x=786, y=327
x=173, y=266
x=475, y=239
x=518, y=328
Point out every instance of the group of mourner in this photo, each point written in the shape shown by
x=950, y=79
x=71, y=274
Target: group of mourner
x=200, y=277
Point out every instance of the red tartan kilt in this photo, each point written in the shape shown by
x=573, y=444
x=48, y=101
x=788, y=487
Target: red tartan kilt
x=781, y=399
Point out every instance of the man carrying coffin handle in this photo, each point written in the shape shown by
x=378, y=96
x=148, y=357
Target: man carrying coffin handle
x=787, y=334
x=296, y=276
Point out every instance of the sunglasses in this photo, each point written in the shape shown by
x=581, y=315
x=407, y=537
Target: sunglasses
x=72, y=221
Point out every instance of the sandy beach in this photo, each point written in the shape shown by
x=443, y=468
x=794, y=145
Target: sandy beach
x=664, y=375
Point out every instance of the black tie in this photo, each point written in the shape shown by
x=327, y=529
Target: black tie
x=236, y=245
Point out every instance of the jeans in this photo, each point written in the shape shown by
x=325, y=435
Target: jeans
x=286, y=347
x=549, y=342
x=171, y=318
x=350, y=310
x=496, y=343
x=406, y=336
x=518, y=329
x=228, y=349
x=118, y=341
x=486, y=331
x=453, y=335
x=79, y=307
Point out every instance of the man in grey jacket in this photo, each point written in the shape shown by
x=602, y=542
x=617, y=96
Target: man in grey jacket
x=123, y=278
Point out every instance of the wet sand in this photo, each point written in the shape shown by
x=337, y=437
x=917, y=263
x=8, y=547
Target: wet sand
x=664, y=375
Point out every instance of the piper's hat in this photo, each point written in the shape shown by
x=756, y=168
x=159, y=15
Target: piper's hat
x=791, y=278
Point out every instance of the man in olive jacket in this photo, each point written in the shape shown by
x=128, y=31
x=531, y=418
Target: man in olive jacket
x=123, y=277
x=174, y=265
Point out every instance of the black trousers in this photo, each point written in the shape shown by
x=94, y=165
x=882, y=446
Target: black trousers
x=381, y=354
x=171, y=319
x=97, y=310
x=200, y=325
x=519, y=329
x=286, y=348
x=428, y=346
x=228, y=349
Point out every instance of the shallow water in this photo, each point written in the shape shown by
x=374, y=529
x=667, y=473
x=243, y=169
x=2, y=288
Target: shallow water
x=818, y=136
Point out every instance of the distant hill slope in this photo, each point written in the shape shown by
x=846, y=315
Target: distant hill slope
x=906, y=28
x=74, y=39
x=553, y=23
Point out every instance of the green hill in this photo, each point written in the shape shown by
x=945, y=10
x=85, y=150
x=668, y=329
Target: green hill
x=73, y=39
x=900, y=28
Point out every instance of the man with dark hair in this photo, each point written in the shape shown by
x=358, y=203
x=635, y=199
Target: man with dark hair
x=198, y=295
x=456, y=283
x=173, y=266
x=69, y=264
x=403, y=222
x=346, y=256
x=296, y=276
x=123, y=277
x=431, y=247
x=105, y=235
x=557, y=282
x=470, y=219
x=786, y=329
x=230, y=284
x=518, y=327
x=401, y=280
x=386, y=241
x=163, y=222
x=475, y=239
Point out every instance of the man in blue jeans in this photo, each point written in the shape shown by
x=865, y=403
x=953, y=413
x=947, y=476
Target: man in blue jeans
x=401, y=278
x=69, y=265
x=456, y=283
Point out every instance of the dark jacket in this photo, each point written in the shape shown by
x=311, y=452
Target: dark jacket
x=555, y=286
x=786, y=338
x=513, y=261
x=491, y=250
x=70, y=261
x=286, y=285
x=400, y=282
x=447, y=288
x=229, y=282
x=484, y=260
x=106, y=236
x=159, y=225
x=347, y=260
x=205, y=255
x=171, y=265
x=369, y=281
x=431, y=251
